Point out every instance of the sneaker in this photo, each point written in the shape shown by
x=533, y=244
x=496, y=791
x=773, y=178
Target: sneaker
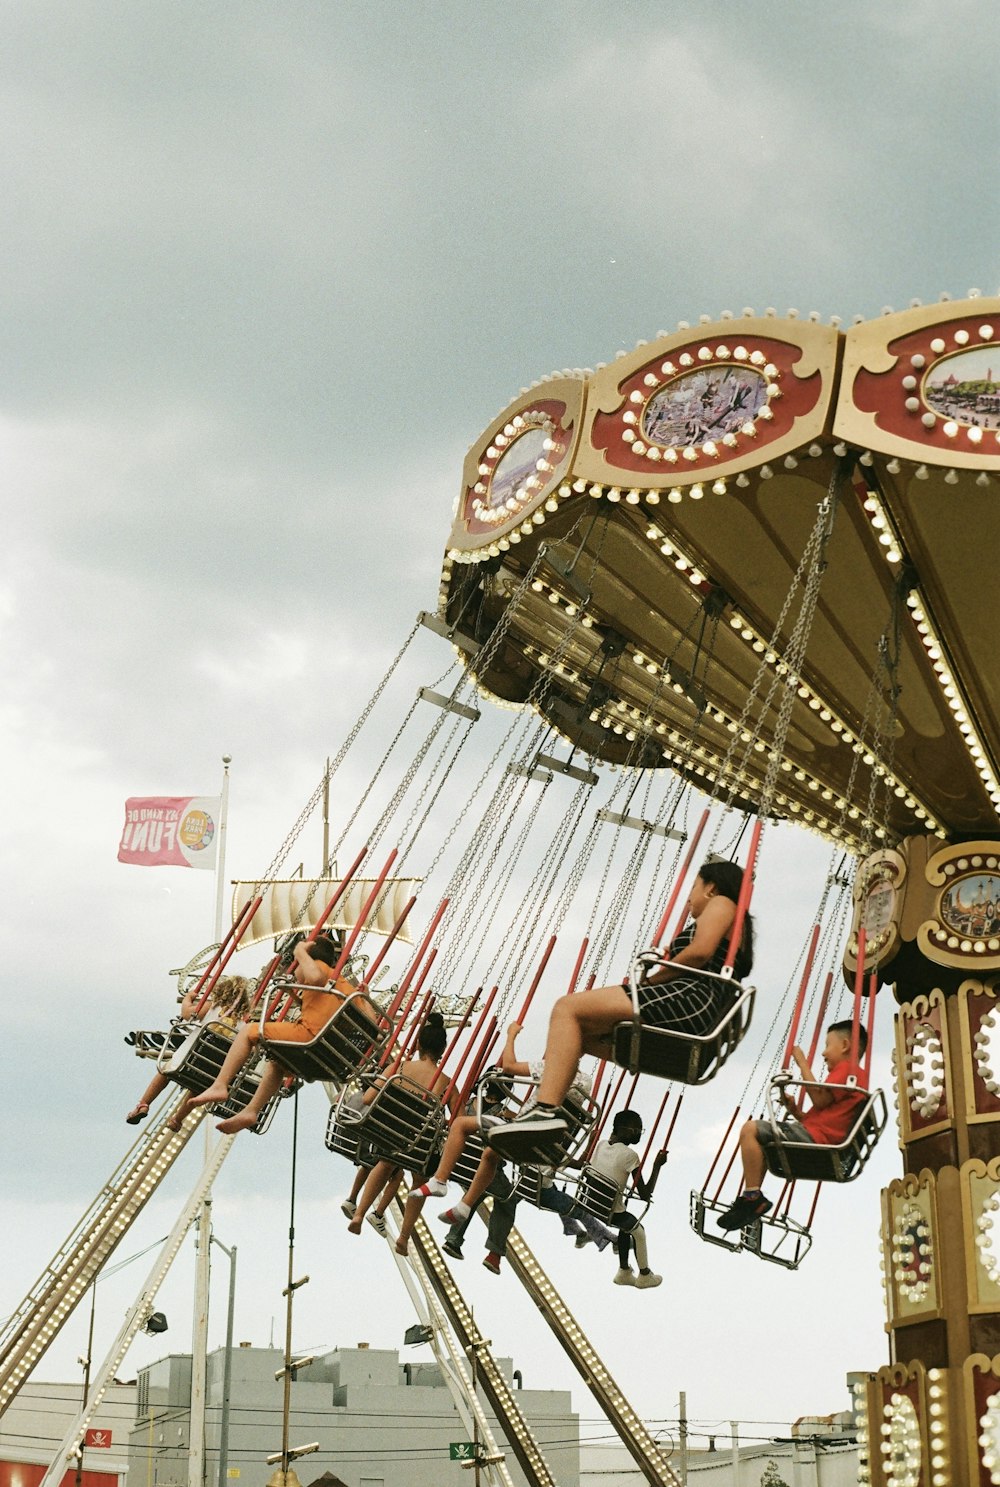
x=582, y=1240
x=625, y=1277
x=743, y=1211
x=453, y=1248
x=492, y=1262
x=534, y=1128
x=645, y=1281
x=348, y=1209
x=378, y=1224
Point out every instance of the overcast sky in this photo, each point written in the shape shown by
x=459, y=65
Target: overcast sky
x=267, y=270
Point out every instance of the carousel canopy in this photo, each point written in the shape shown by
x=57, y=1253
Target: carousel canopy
x=671, y=495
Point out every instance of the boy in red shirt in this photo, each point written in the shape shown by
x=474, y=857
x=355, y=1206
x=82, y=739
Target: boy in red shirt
x=828, y=1123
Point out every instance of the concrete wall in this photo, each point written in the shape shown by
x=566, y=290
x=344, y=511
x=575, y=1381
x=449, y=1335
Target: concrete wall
x=802, y=1465
x=380, y=1422
x=41, y=1414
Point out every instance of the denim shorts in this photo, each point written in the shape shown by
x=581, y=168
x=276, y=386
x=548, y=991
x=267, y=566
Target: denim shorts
x=775, y=1133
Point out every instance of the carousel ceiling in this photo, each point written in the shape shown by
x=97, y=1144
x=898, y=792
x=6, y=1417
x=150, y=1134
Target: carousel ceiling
x=659, y=508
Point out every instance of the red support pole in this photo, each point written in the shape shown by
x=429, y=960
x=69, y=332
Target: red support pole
x=661, y=928
x=812, y=1206
x=578, y=967
x=793, y=1030
x=722, y=1143
x=746, y=889
x=405, y=1011
x=470, y=1045
x=479, y=1062
x=538, y=976
x=872, y=992
x=411, y=971
x=370, y=973
x=673, y=1121
x=729, y=1168
x=366, y=909
x=459, y=1029
x=224, y=954
x=859, y=982
x=824, y=1001
x=652, y=1133
x=609, y=1105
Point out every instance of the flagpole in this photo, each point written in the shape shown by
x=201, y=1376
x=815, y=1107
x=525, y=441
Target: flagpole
x=199, y=1338
x=220, y=857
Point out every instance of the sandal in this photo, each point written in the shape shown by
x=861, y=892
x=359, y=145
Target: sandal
x=139, y=1113
x=174, y=1123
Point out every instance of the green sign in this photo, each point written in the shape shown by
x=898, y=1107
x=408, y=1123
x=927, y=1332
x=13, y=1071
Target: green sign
x=462, y=1451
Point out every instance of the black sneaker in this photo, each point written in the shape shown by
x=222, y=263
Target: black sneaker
x=743, y=1212
x=451, y=1248
x=526, y=1133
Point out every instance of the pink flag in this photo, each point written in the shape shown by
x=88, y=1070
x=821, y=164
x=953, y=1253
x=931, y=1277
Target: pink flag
x=170, y=831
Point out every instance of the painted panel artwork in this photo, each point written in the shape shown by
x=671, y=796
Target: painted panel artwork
x=966, y=387
x=971, y=905
x=707, y=403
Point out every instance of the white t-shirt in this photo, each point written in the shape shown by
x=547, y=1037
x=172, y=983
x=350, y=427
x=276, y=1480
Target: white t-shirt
x=615, y=1161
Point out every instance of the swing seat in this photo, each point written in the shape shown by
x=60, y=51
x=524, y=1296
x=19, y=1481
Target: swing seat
x=351, y=1043
x=555, y=1151
x=704, y=1212
x=529, y=1184
x=596, y=1193
x=778, y=1239
x=347, y=1141
x=806, y=1161
x=467, y=1165
x=197, y=1060
x=151, y=1042
x=242, y=1091
x=669, y=1053
x=404, y=1124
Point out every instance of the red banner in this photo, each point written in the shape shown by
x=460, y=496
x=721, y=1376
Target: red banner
x=98, y=1438
x=170, y=831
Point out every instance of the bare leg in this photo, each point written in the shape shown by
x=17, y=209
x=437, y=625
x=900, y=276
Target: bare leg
x=247, y=1118
x=579, y=1024
x=360, y=1178
x=485, y=1173
x=461, y=1129
x=374, y=1183
x=155, y=1087
x=411, y=1213
x=175, y=1121
x=752, y=1154
x=239, y=1052
x=390, y=1191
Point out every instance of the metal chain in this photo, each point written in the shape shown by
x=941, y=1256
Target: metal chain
x=333, y=766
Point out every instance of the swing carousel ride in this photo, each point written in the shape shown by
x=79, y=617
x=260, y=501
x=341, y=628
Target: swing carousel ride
x=740, y=560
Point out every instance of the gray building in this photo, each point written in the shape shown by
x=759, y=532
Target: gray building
x=380, y=1422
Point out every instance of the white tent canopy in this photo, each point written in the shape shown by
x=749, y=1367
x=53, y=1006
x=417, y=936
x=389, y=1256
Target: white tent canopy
x=285, y=899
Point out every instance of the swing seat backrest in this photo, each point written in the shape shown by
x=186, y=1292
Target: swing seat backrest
x=404, y=1123
x=807, y=1161
x=529, y=1184
x=596, y=1193
x=195, y=1062
x=351, y=1043
x=344, y=1136
x=671, y=1053
x=467, y=1165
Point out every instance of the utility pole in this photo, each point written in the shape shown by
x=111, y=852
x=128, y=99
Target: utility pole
x=682, y=1433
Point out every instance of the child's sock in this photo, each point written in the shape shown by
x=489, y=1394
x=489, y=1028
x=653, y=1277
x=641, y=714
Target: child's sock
x=432, y=1188
x=456, y=1214
x=751, y=1193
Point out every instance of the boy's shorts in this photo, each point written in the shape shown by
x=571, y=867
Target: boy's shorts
x=777, y=1133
